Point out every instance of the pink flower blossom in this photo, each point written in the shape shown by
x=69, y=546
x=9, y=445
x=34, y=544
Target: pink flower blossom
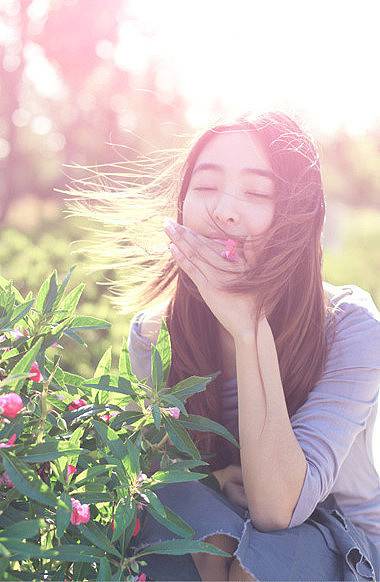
x=229, y=252
x=141, y=577
x=35, y=373
x=6, y=480
x=71, y=469
x=9, y=443
x=78, y=403
x=11, y=404
x=141, y=477
x=174, y=411
x=108, y=415
x=16, y=333
x=137, y=527
x=80, y=513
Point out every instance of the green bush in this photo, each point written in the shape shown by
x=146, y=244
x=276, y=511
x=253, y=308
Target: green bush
x=78, y=465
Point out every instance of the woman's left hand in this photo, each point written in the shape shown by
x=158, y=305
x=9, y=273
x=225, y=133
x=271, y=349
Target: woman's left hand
x=200, y=258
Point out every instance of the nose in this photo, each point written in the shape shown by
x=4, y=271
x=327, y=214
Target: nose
x=225, y=211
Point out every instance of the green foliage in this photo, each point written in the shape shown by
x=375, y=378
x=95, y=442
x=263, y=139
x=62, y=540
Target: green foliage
x=60, y=451
x=355, y=258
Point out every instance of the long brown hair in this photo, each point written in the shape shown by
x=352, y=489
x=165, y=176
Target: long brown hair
x=286, y=278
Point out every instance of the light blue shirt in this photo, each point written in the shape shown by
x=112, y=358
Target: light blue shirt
x=336, y=424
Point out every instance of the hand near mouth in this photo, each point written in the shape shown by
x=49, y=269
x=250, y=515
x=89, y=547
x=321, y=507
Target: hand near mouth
x=210, y=269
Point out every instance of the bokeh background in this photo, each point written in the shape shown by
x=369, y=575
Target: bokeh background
x=91, y=82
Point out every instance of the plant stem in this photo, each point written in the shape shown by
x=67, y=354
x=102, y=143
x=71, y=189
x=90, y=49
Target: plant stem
x=44, y=404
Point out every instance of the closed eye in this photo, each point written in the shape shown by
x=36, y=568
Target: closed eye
x=251, y=193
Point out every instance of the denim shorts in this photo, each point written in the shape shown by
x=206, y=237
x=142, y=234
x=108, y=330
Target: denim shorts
x=327, y=546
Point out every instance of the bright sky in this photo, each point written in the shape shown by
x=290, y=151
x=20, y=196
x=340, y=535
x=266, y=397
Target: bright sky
x=317, y=59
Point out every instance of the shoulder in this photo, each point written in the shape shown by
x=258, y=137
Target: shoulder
x=356, y=319
x=352, y=300
x=150, y=320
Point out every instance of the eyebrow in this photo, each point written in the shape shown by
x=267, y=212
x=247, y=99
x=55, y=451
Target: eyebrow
x=257, y=171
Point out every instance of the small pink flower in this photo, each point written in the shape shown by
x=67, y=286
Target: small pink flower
x=137, y=527
x=141, y=577
x=71, y=469
x=108, y=415
x=6, y=480
x=140, y=506
x=11, y=404
x=80, y=513
x=35, y=373
x=9, y=443
x=78, y=403
x=16, y=333
x=174, y=411
x=141, y=477
x=229, y=252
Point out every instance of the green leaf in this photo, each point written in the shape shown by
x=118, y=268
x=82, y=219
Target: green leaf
x=92, y=473
x=87, y=322
x=95, y=534
x=105, y=363
x=111, y=383
x=42, y=294
x=190, y=386
x=179, y=437
x=128, y=417
x=125, y=368
x=157, y=371
x=111, y=439
x=52, y=292
x=125, y=514
x=187, y=464
x=27, y=528
x=75, y=553
x=173, y=401
x=20, y=311
x=155, y=502
x=105, y=572
x=163, y=346
x=22, y=550
x=70, y=302
x=156, y=416
x=48, y=451
x=3, y=285
x=27, y=482
x=63, y=286
x=175, y=476
x=131, y=462
x=196, y=422
x=92, y=497
x=24, y=364
x=63, y=515
x=173, y=522
x=180, y=547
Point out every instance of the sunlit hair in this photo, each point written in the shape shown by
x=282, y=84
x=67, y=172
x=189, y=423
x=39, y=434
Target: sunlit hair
x=130, y=205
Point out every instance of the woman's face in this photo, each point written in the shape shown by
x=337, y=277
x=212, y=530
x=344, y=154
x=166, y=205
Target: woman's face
x=233, y=199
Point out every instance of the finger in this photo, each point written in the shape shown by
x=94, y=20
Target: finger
x=198, y=248
x=235, y=473
x=188, y=266
x=235, y=493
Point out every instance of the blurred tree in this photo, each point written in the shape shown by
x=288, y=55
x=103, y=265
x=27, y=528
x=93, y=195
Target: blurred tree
x=97, y=103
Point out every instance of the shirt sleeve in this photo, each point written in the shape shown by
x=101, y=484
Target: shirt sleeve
x=139, y=348
x=337, y=408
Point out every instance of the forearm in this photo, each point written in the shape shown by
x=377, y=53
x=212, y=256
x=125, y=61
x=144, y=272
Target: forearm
x=273, y=464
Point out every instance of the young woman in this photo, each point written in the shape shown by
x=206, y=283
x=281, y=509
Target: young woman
x=242, y=293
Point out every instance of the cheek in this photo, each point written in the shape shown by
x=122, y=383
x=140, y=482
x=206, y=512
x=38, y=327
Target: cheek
x=193, y=211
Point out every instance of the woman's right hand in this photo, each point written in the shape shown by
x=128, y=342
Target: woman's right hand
x=230, y=480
